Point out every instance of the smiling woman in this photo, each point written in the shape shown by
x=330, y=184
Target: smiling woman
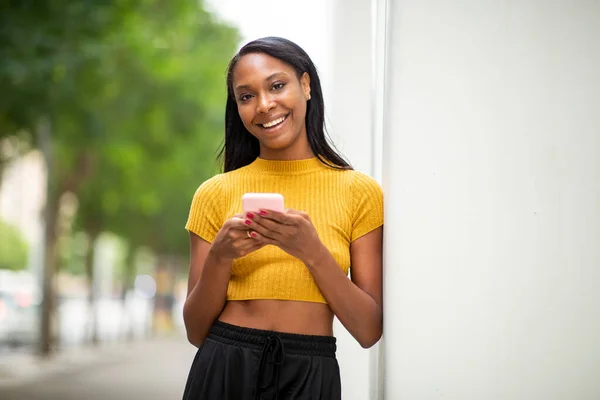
x=283, y=68
x=264, y=286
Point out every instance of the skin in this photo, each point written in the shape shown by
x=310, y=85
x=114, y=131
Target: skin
x=266, y=89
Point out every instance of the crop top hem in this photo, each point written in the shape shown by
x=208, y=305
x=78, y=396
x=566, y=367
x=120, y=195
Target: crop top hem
x=306, y=300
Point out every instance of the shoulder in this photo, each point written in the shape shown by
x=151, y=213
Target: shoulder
x=366, y=193
x=213, y=184
x=206, y=212
x=224, y=183
x=222, y=180
x=360, y=181
x=366, y=196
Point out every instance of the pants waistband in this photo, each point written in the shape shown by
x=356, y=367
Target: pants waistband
x=307, y=345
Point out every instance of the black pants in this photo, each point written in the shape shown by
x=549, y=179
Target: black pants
x=236, y=363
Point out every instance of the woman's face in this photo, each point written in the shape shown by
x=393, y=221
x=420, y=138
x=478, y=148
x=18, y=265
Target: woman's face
x=271, y=102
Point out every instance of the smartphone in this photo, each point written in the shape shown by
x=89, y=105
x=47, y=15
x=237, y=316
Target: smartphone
x=253, y=202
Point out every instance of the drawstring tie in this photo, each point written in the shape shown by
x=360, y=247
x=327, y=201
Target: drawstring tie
x=272, y=357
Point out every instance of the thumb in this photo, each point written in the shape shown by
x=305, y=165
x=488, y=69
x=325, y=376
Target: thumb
x=301, y=214
x=292, y=211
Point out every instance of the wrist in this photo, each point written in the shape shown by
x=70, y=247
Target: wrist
x=316, y=257
x=217, y=257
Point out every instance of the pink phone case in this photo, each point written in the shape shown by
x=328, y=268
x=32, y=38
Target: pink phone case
x=253, y=202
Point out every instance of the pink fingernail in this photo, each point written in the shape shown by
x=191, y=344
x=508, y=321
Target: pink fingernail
x=248, y=222
x=250, y=215
x=263, y=212
x=253, y=234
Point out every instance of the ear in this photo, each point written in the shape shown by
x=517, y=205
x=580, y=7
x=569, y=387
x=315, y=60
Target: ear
x=305, y=83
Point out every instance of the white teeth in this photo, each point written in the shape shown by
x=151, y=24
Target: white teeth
x=273, y=123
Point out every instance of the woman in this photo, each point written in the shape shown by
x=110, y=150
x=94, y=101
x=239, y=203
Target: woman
x=264, y=286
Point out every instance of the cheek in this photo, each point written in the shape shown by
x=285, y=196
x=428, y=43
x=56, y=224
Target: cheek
x=245, y=116
x=301, y=111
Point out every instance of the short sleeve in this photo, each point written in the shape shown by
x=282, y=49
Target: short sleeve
x=367, y=205
x=206, y=212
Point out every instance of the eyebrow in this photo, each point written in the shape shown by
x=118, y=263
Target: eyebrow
x=268, y=78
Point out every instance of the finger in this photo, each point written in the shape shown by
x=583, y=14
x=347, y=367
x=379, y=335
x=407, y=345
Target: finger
x=250, y=238
x=257, y=225
x=238, y=223
x=252, y=220
x=282, y=218
x=290, y=211
x=272, y=228
x=244, y=238
x=247, y=234
x=263, y=240
x=249, y=246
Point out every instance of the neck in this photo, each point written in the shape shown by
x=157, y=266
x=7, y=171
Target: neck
x=283, y=155
x=298, y=150
x=287, y=167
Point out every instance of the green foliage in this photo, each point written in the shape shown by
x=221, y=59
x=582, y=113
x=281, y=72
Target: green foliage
x=134, y=91
x=170, y=104
x=13, y=248
x=43, y=44
x=72, y=252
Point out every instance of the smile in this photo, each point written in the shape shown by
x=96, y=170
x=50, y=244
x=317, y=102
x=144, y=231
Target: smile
x=273, y=123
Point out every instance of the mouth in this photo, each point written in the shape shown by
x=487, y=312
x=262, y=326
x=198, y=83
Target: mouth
x=274, y=124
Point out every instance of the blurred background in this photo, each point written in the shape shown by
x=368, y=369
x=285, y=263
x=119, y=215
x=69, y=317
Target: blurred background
x=111, y=115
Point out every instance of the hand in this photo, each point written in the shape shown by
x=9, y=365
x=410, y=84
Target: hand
x=233, y=240
x=291, y=231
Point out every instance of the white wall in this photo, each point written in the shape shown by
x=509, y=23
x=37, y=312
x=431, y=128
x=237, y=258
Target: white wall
x=352, y=127
x=492, y=181
x=351, y=107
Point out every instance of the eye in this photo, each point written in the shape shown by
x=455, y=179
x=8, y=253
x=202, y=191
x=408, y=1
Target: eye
x=245, y=97
x=278, y=86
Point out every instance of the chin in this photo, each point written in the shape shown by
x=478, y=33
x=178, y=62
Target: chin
x=278, y=143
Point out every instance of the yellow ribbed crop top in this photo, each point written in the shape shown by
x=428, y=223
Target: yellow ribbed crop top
x=343, y=205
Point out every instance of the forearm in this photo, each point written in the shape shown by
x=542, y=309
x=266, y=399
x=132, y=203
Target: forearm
x=206, y=301
x=356, y=309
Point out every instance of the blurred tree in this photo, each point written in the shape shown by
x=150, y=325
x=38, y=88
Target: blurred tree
x=42, y=43
x=11, y=147
x=112, y=92
x=50, y=71
x=13, y=248
x=169, y=101
x=72, y=253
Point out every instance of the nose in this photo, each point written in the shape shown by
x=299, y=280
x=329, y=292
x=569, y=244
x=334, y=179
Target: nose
x=265, y=104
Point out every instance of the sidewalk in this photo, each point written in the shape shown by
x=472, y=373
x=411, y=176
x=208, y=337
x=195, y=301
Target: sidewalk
x=154, y=369
x=18, y=369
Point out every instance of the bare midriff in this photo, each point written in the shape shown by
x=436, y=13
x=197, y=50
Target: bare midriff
x=280, y=316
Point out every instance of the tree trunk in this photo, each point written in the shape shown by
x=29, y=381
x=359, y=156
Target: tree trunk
x=89, y=269
x=2, y=167
x=47, y=323
x=128, y=278
x=165, y=296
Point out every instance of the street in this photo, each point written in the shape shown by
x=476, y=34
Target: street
x=150, y=370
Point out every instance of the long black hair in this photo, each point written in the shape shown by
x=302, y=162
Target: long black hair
x=240, y=148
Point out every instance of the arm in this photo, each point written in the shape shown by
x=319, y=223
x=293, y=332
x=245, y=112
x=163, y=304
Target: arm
x=207, y=289
x=357, y=303
x=210, y=270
